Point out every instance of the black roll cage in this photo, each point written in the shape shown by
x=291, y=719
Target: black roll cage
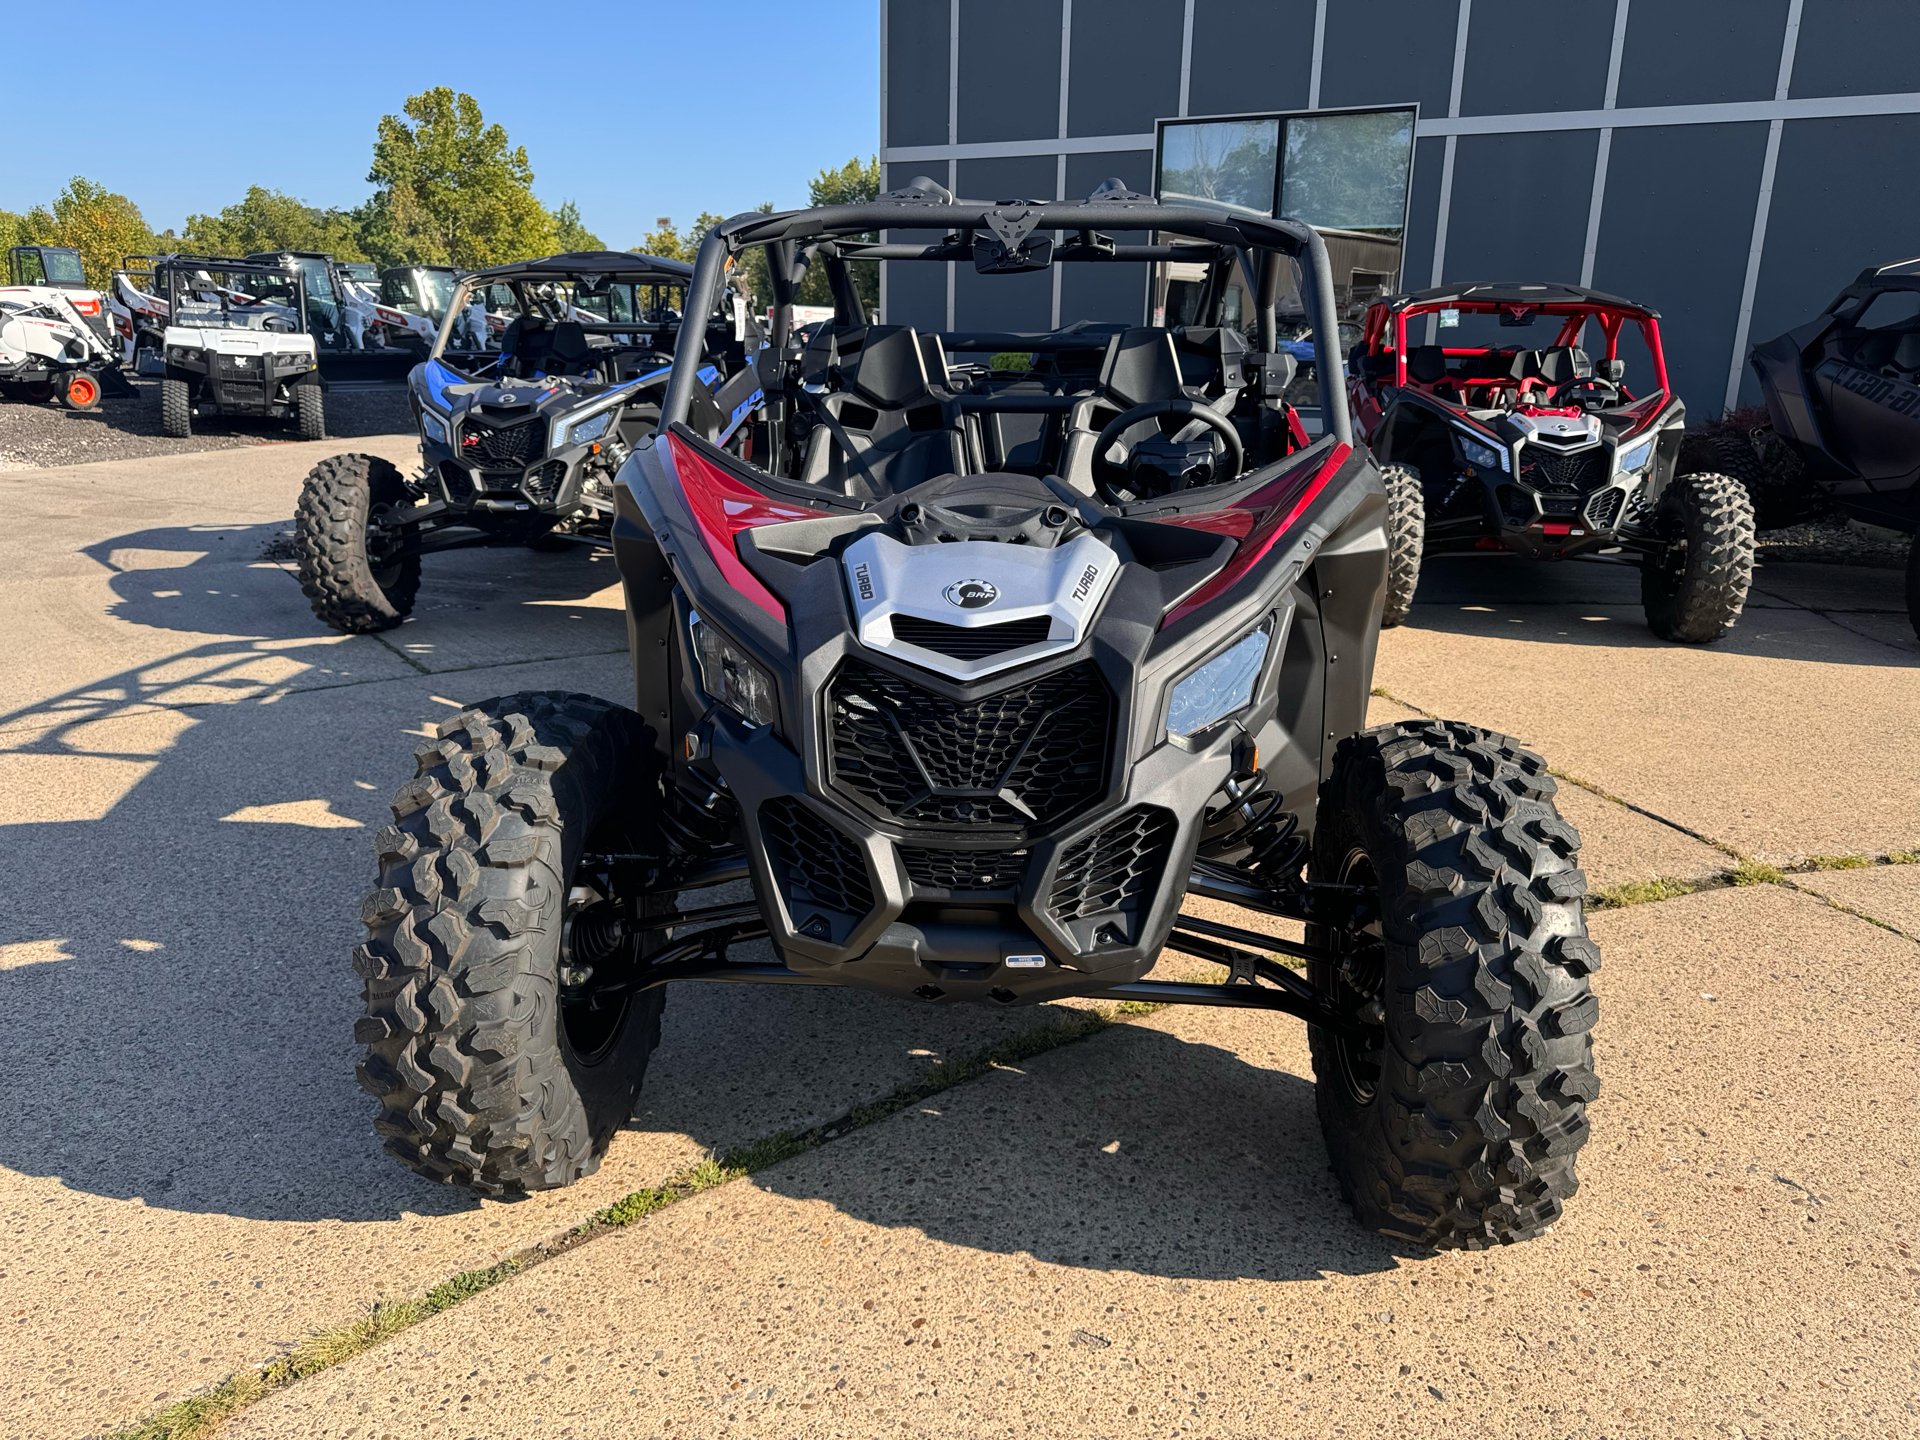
x=795, y=239
x=167, y=269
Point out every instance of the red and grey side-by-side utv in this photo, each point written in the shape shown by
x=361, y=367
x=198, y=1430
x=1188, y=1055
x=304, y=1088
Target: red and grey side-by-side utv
x=1541, y=449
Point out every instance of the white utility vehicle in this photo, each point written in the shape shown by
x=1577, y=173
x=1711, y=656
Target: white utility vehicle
x=237, y=344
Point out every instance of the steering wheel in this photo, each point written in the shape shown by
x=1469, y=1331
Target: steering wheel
x=1104, y=469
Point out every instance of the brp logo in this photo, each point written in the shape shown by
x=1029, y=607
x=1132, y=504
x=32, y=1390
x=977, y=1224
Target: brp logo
x=971, y=594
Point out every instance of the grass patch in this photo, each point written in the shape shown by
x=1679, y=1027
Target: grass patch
x=1756, y=872
x=1903, y=857
x=1838, y=862
x=1638, y=892
x=198, y=1416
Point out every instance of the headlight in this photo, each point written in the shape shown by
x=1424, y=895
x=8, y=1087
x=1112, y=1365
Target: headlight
x=182, y=354
x=1638, y=456
x=433, y=427
x=579, y=432
x=730, y=677
x=1482, y=457
x=1221, y=686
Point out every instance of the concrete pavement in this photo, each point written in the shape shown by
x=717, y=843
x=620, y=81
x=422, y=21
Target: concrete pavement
x=189, y=771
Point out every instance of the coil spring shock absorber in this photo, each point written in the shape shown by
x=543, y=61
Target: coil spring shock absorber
x=697, y=815
x=1251, y=832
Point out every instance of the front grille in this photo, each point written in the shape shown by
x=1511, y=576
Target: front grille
x=1113, y=868
x=238, y=393
x=1604, y=509
x=513, y=445
x=239, y=364
x=818, y=867
x=1032, y=754
x=543, y=484
x=964, y=870
x=458, y=483
x=976, y=643
x=1553, y=473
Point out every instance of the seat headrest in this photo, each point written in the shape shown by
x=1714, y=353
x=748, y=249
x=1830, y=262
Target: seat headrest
x=1427, y=364
x=1564, y=363
x=1906, y=355
x=890, y=372
x=569, y=340
x=1140, y=366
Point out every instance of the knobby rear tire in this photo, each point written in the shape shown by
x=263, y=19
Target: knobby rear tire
x=1913, y=584
x=470, y=1050
x=1695, y=590
x=337, y=502
x=1406, y=539
x=1479, y=1091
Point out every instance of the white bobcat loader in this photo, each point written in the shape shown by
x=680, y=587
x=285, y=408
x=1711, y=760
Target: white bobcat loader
x=55, y=338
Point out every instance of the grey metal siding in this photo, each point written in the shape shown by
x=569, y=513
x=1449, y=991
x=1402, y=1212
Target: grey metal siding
x=1251, y=55
x=1839, y=205
x=1520, y=206
x=1857, y=47
x=1106, y=292
x=1126, y=65
x=1524, y=57
x=1382, y=52
x=1679, y=207
x=1423, y=211
x=1703, y=52
x=916, y=290
x=1009, y=70
x=918, y=34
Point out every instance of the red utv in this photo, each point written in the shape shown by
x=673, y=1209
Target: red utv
x=1541, y=449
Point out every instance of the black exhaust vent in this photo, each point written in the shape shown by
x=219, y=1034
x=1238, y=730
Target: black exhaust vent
x=1553, y=474
x=970, y=644
x=1114, y=868
x=543, y=482
x=964, y=871
x=818, y=867
x=1032, y=754
x=1604, y=509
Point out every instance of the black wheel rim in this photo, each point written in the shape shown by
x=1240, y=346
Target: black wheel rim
x=386, y=546
x=1358, y=983
x=593, y=1014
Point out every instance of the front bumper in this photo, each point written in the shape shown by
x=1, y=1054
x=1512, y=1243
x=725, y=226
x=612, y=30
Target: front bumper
x=240, y=384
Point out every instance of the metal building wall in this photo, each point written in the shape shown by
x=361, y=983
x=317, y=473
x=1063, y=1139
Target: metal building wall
x=1733, y=163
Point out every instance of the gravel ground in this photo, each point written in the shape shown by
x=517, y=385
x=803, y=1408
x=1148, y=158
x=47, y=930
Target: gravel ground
x=38, y=436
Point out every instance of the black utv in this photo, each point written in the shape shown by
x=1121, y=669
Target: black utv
x=518, y=445
x=1843, y=391
x=976, y=673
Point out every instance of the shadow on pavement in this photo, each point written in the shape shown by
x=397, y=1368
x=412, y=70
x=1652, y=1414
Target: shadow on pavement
x=1136, y=1151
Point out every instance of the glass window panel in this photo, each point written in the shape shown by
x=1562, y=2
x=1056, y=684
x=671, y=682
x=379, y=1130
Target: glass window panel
x=1349, y=172
x=1225, y=165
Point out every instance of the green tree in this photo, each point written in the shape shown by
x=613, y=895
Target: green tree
x=668, y=243
x=101, y=225
x=269, y=220
x=452, y=189
x=569, y=233
x=854, y=183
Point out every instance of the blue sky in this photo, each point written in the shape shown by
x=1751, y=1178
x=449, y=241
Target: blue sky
x=633, y=110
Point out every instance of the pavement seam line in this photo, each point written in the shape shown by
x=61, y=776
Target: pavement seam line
x=1591, y=788
x=199, y=1415
x=381, y=641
